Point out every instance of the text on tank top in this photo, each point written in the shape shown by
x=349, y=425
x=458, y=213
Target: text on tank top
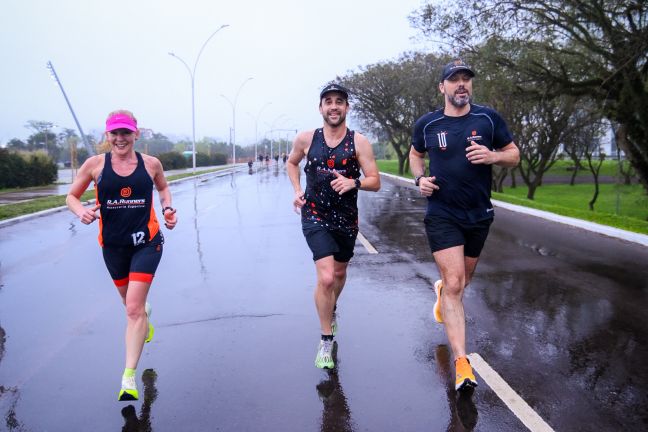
x=127, y=214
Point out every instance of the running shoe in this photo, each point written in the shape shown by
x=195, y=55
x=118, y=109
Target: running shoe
x=324, y=359
x=465, y=379
x=438, y=286
x=128, y=390
x=334, y=324
x=151, y=329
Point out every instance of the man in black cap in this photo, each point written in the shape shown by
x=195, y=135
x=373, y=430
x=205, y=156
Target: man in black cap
x=335, y=156
x=462, y=141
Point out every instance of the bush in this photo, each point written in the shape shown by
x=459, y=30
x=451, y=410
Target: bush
x=172, y=160
x=209, y=160
x=26, y=169
x=41, y=169
x=218, y=159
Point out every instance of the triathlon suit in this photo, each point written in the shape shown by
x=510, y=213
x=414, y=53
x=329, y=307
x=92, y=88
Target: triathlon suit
x=330, y=220
x=129, y=232
x=464, y=190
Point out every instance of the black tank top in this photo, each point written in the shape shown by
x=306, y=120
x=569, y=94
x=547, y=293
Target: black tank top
x=324, y=206
x=127, y=214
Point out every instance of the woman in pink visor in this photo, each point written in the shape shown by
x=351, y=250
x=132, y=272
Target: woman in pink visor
x=129, y=232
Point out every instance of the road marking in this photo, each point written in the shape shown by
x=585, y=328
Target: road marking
x=516, y=404
x=366, y=244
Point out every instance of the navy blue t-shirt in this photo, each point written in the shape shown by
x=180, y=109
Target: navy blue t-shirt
x=464, y=188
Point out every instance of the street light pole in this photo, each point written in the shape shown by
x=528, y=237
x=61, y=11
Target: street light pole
x=50, y=66
x=233, y=104
x=192, y=76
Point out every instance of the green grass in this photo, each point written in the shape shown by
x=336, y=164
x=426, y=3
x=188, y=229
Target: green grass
x=8, y=211
x=619, y=206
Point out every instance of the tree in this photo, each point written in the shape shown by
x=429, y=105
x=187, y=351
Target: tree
x=153, y=144
x=597, y=48
x=42, y=136
x=387, y=98
x=16, y=144
x=545, y=128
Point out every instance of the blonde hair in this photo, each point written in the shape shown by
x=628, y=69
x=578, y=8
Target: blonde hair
x=124, y=112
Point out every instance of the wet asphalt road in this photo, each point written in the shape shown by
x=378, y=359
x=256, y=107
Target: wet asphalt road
x=557, y=311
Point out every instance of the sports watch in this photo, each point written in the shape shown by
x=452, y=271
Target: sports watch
x=358, y=184
x=417, y=180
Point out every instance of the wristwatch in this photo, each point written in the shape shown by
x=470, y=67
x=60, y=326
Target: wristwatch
x=417, y=180
x=358, y=184
x=166, y=208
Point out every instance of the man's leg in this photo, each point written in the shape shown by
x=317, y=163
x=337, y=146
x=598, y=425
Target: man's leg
x=452, y=266
x=325, y=291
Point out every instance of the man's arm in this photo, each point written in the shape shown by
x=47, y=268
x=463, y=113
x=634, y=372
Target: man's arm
x=299, y=148
x=507, y=156
x=417, y=167
x=371, y=180
x=417, y=162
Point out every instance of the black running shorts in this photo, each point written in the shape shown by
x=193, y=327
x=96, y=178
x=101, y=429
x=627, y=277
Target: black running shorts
x=323, y=243
x=444, y=233
x=133, y=262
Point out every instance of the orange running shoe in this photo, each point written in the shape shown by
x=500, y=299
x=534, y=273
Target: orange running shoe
x=465, y=378
x=438, y=285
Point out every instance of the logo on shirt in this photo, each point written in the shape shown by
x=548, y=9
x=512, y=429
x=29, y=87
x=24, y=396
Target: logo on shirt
x=473, y=139
x=126, y=192
x=443, y=143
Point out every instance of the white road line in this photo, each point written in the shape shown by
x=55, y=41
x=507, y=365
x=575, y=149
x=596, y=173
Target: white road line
x=366, y=244
x=516, y=404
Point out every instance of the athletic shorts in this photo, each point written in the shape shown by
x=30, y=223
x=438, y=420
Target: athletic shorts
x=137, y=263
x=323, y=243
x=444, y=233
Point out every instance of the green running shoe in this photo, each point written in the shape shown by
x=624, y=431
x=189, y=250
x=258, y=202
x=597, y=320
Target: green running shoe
x=151, y=329
x=324, y=358
x=128, y=390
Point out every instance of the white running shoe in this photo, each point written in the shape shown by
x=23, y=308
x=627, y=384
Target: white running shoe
x=128, y=390
x=324, y=358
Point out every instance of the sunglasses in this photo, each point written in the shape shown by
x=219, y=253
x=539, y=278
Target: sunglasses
x=121, y=132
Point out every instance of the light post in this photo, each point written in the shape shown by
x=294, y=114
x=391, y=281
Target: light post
x=192, y=76
x=233, y=105
x=54, y=75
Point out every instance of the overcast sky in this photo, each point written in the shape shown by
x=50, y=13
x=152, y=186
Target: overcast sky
x=111, y=55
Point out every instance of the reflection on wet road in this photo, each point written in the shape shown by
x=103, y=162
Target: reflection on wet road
x=558, y=312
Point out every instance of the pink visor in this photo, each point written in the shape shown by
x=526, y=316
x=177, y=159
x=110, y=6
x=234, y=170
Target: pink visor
x=121, y=121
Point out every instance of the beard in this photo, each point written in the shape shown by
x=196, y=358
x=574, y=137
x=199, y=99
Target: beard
x=460, y=101
x=338, y=122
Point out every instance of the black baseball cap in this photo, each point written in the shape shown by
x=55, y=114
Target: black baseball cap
x=453, y=67
x=334, y=88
